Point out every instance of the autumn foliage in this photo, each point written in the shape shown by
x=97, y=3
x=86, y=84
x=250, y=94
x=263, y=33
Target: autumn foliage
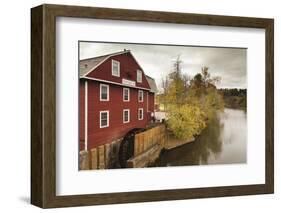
x=190, y=102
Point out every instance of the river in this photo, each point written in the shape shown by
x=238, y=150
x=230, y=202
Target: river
x=223, y=141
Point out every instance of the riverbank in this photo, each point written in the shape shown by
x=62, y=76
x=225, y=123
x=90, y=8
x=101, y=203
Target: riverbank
x=235, y=102
x=223, y=141
x=173, y=142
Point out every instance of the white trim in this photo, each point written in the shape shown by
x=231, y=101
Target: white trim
x=139, y=80
x=139, y=114
x=124, y=94
x=86, y=117
x=140, y=91
x=126, y=110
x=107, y=89
x=105, y=111
x=119, y=53
x=118, y=63
x=111, y=82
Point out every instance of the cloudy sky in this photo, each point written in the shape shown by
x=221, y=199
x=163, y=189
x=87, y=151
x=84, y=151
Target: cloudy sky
x=156, y=60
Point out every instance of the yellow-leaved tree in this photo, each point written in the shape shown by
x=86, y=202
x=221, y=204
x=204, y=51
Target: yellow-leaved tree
x=186, y=121
x=190, y=102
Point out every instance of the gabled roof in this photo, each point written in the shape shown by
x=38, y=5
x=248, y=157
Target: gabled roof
x=152, y=84
x=89, y=64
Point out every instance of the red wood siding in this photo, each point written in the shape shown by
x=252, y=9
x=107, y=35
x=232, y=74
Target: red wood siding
x=117, y=129
x=81, y=114
x=151, y=102
x=150, y=106
x=128, y=70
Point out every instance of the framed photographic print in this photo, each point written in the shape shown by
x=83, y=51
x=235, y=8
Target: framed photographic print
x=137, y=106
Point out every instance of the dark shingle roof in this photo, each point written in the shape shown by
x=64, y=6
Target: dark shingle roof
x=152, y=84
x=86, y=65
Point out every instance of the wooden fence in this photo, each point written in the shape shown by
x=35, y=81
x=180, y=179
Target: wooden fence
x=97, y=158
x=101, y=156
x=93, y=159
x=147, y=139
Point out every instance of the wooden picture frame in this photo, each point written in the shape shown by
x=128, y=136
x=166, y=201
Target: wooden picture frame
x=43, y=105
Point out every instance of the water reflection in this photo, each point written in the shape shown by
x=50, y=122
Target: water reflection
x=224, y=141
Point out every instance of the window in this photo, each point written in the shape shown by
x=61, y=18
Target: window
x=140, y=96
x=104, y=92
x=126, y=116
x=126, y=94
x=104, y=119
x=140, y=113
x=139, y=76
x=115, y=69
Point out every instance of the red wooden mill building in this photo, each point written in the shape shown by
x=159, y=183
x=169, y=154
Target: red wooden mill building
x=115, y=97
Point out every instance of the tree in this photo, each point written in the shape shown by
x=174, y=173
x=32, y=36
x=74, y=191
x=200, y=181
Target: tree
x=186, y=121
x=164, y=85
x=186, y=81
x=176, y=84
x=190, y=102
x=189, y=115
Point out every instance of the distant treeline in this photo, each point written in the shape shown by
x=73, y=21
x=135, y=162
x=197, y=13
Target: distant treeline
x=234, y=98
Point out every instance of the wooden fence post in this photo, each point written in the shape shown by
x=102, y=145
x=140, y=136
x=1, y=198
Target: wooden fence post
x=84, y=160
x=101, y=157
x=94, y=158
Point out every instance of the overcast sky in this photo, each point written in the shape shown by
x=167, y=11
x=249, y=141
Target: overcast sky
x=156, y=60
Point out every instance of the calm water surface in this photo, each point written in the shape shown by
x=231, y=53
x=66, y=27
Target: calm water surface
x=224, y=141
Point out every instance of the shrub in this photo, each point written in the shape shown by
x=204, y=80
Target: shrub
x=186, y=121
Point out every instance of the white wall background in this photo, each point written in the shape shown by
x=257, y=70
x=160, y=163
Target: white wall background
x=15, y=104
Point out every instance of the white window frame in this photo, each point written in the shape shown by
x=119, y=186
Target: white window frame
x=126, y=110
x=118, y=64
x=107, y=125
x=124, y=89
x=140, y=109
x=140, y=92
x=107, y=89
x=139, y=76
